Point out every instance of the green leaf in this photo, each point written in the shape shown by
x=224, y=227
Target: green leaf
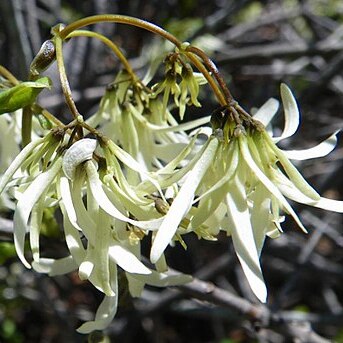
x=22, y=95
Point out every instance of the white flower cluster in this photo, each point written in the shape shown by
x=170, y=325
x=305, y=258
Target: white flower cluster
x=145, y=174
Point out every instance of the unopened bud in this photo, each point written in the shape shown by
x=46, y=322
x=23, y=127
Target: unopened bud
x=45, y=56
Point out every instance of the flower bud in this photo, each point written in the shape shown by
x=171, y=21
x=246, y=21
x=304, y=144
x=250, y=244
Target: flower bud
x=45, y=56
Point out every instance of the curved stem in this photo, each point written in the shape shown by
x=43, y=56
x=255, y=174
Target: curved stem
x=117, y=18
x=219, y=95
x=213, y=68
x=49, y=116
x=8, y=75
x=63, y=77
x=122, y=19
x=109, y=43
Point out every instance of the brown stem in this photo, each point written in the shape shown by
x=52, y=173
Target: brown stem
x=213, y=68
x=116, y=18
x=63, y=77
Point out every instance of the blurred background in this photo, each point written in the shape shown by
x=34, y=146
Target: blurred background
x=256, y=45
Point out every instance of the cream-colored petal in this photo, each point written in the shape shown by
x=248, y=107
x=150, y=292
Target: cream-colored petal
x=106, y=310
x=320, y=150
x=243, y=238
x=103, y=201
x=293, y=193
x=86, y=268
x=182, y=202
x=292, y=116
x=207, y=207
x=292, y=172
x=55, y=267
x=163, y=279
x=266, y=181
x=26, y=203
x=17, y=162
x=260, y=214
x=101, y=250
x=75, y=210
x=267, y=111
x=36, y=223
x=73, y=240
x=127, y=260
x=136, y=286
x=174, y=163
x=232, y=162
x=180, y=127
x=131, y=163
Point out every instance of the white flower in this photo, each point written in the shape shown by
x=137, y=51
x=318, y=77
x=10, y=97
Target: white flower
x=135, y=120
x=240, y=188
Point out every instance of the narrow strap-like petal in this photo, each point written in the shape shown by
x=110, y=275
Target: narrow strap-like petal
x=260, y=214
x=127, y=260
x=103, y=201
x=25, y=205
x=293, y=193
x=17, y=162
x=320, y=150
x=292, y=117
x=266, y=181
x=55, y=267
x=163, y=279
x=292, y=172
x=267, y=111
x=106, y=310
x=182, y=202
x=232, y=161
x=243, y=237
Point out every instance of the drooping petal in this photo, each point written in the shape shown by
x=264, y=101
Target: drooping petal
x=103, y=201
x=106, y=310
x=266, y=181
x=168, y=152
x=267, y=111
x=187, y=126
x=127, y=260
x=292, y=117
x=36, y=222
x=232, y=162
x=329, y=204
x=260, y=213
x=74, y=207
x=163, y=279
x=182, y=202
x=174, y=163
x=101, y=252
x=293, y=193
x=73, y=240
x=136, y=286
x=120, y=199
x=87, y=266
x=17, y=162
x=243, y=237
x=292, y=172
x=129, y=161
x=320, y=150
x=167, y=128
x=208, y=206
x=26, y=203
x=55, y=267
